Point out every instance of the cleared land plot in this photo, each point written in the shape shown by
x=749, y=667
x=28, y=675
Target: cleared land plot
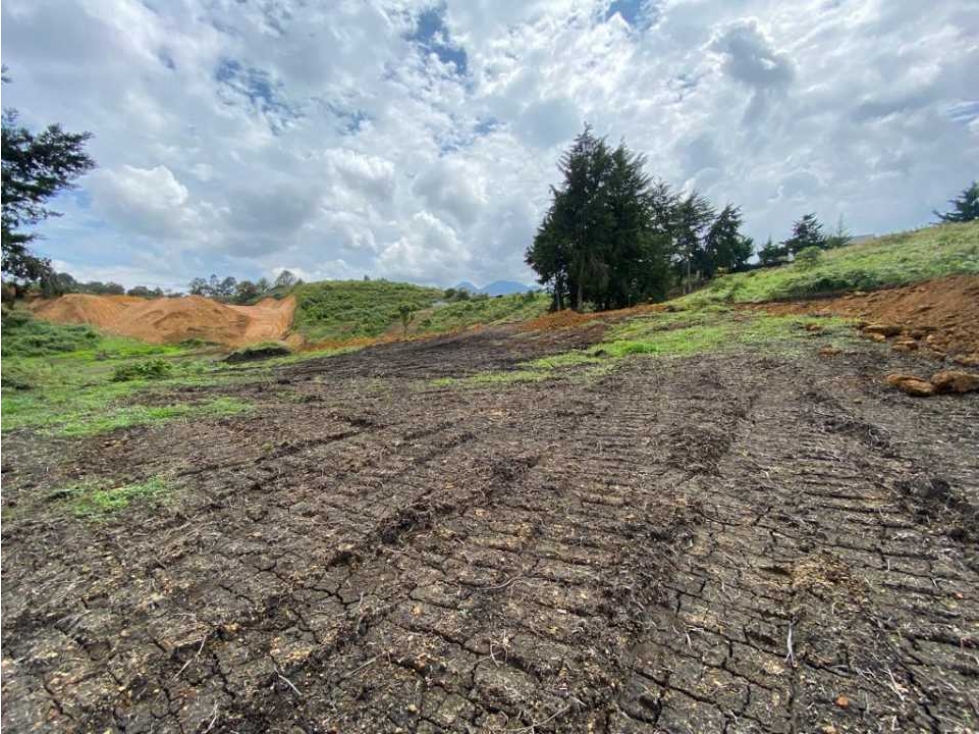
x=745, y=538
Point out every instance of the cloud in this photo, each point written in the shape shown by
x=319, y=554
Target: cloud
x=418, y=139
x=148, y=201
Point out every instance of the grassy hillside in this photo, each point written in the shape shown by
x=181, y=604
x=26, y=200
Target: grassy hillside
x=463, y=314
x=345, y=309
x=892, y=260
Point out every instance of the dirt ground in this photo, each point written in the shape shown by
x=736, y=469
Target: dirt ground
x=173, y=320
x=938, y=316
x=713, y=544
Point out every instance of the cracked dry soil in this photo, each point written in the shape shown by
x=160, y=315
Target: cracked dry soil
x=714, y=544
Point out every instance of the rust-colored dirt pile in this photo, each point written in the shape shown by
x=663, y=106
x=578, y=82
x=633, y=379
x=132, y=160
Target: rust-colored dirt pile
x=173, y=320
x=939, y=317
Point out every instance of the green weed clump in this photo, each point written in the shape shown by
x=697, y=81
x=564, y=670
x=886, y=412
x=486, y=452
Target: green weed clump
x=262, y=350
x=154, y=369
x=97, y=500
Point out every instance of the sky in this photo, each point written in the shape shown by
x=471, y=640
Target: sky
x=418, y=141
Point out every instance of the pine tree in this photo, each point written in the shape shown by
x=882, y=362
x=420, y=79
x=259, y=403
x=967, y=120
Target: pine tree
x=806, y=232
x=965, y=208
x=724, y=245
x=36, y=168
x=771, y=254
x=692, y=219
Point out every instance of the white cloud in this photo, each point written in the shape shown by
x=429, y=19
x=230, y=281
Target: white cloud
x=329, y=139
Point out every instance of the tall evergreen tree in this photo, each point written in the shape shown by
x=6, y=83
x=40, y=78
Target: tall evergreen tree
x=36, y=168
x=692, y=219
x=771, y=254
x=806, y=232
x=965, y=207
x=724, y=245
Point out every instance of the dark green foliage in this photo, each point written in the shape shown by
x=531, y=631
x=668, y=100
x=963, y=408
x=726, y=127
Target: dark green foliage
x=807, y=232
x=613, y=237
x=807, y=258
x=771, y=255
x=153, y=369
x=965, y=208
x=36, y=167
x=724, y=246
x=840, y=238
x=25, y=336
x=253, y=352
x=406, y=312
x=600, y=241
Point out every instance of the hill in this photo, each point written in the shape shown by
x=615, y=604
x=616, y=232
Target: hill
x=335, y=310
x=892, y=260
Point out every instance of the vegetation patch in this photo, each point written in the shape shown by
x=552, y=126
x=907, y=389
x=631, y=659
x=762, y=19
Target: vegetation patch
x=897, y=259
x=97, y=499
x=154, y=369
x=26, y=336
x=254, y=352
x=337, y=310
x=463, y=314
x=90, y=424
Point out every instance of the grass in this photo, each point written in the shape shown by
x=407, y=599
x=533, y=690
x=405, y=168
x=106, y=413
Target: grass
x=94, y=387
x=893, y=260
x=97, y=500
x=348, y=309
x=710, y=330
x=260, y=351
x=463, y=314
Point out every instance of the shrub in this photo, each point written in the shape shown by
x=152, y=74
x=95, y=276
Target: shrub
x=154, y=369
x=263, y=350
x=808, y=257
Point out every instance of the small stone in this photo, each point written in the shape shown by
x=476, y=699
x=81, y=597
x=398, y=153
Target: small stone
x=829, y=351
x=911, y=385
x=843, y=702
x=814, y=328
x=882, y=329
x=967, y=360
x=957, y=381
x=412, y=708
x=878, y=337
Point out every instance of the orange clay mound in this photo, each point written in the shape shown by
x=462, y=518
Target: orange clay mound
x=173, y=320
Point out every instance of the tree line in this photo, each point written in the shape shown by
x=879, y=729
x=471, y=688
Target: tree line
x=613, y=236
x=232, y=290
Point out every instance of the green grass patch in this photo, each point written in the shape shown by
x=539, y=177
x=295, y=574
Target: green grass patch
x=346, y=309
x=154, y=369
x=485, y=311
x=90, y=424
x=893, y=260
x=95, y=499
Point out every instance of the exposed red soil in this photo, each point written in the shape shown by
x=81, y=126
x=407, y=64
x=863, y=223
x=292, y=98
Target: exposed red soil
x=938, y=316
x=173, y=320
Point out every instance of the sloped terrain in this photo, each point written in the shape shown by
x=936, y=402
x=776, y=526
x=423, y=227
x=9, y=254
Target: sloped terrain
x=747, y=542
x=173, y=320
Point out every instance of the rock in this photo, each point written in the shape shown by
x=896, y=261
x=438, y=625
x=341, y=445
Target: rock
x=957, y=381
x=829, y=351
x=883, y=329
x=878, y=337
x=911, y=385
x=967, y=360
x=843, y=702
x=814, y=328
x=905, y=345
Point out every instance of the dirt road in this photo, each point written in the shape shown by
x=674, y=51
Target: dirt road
x=713, y=544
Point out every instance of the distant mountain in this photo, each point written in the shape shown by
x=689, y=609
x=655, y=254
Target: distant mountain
x=497, y=287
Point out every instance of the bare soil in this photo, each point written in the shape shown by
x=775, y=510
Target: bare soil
x=173, y=320
x=939, y=315
x=716, y=544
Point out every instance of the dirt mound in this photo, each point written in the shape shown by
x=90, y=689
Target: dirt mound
x=173, y=320
x=942, y=315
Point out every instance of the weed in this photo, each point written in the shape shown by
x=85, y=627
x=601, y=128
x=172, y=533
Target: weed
x=262, y=350
x=97, y=499
x=154, y=369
